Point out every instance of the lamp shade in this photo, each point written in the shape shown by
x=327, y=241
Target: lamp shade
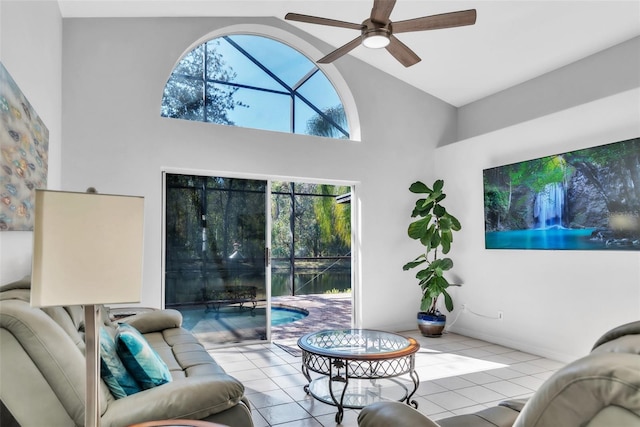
x=88, y=249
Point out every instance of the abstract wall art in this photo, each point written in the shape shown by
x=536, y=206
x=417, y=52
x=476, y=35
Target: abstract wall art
x=586, y=199
x=24, y=144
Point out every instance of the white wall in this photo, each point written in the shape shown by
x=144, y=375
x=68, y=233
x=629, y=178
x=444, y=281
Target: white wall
x=114, y=71
x=610, y=71
x=555, y=303
x=31, y=50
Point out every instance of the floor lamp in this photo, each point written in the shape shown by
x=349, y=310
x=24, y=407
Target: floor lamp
x=87, y=251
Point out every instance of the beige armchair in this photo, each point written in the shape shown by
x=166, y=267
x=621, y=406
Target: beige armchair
x=601, y=389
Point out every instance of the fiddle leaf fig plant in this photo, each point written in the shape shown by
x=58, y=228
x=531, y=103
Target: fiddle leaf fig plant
x=434, y=229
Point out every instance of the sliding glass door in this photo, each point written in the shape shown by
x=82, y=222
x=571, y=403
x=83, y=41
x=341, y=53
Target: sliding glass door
x=215, y=256
x=216, y=264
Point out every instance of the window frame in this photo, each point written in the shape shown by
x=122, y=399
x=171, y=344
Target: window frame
x=306, y=49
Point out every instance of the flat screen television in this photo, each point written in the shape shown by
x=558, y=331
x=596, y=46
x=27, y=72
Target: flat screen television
x=587, y=199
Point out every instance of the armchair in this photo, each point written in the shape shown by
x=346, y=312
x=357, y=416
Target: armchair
x=601, y=389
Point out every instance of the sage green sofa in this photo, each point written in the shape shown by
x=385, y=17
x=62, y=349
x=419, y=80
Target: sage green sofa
x=42, y=370
x=601, y=389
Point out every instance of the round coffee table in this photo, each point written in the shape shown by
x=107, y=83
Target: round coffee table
x=346, y=357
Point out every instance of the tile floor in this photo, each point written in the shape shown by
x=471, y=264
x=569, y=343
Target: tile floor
x=457, y=375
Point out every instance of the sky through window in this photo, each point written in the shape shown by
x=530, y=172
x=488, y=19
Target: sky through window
x=256, y=82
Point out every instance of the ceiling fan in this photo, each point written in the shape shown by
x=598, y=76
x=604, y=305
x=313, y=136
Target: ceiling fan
x=378, y=31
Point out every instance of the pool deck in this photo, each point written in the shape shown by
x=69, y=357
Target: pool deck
x=326, y=311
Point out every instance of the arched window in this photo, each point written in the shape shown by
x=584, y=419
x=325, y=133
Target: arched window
x=256, y=82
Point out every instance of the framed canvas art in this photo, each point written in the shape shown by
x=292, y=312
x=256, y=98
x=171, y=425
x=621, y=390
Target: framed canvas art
x=586, y=199
x=24, y=145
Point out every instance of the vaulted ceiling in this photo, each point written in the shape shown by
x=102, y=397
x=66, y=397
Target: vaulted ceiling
x=512, y=41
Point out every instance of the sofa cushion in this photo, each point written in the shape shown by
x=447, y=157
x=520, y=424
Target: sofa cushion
x=112, y=370
x=63, y=317
x=142, y=361
x=54, y=357
x=182, y=353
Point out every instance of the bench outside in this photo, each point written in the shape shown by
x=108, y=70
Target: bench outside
x=237, y=295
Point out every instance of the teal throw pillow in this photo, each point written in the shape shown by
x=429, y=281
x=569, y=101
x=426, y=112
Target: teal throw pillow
x=112, y=371
x=142, y=361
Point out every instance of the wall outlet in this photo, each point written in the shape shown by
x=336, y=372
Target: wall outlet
x=464, y=307
x=500, y=315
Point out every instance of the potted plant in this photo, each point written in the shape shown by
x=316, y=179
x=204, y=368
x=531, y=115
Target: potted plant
x=434, y=229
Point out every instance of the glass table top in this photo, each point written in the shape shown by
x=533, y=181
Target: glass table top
x=358, y=343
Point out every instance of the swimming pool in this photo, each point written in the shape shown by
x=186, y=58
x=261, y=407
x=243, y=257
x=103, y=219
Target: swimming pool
x=231, y=318
x=281, y=315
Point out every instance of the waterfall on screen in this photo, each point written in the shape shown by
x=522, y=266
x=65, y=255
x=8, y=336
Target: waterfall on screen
x=549, y=205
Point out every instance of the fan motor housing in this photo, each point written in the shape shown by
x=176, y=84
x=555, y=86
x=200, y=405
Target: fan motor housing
x=375, y=35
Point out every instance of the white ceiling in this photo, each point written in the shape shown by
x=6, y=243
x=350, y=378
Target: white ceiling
x=512, y=41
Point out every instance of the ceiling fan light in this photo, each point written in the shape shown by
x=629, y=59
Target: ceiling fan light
x=376, y=39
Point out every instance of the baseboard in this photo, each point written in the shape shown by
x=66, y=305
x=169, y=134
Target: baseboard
x=516, y=345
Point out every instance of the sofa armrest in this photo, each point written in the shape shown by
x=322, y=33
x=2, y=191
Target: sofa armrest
x=385, y=414
x=495, y=416
x=191, y=398
x=155, y=321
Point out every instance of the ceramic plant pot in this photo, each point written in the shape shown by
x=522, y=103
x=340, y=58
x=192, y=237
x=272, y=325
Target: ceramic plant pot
x=431, y=325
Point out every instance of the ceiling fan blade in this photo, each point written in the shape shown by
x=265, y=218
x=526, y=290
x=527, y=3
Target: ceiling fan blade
x=340, y=51
x=321, y=21
x=436, y=22
x=402, y=53
x=381, y=10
